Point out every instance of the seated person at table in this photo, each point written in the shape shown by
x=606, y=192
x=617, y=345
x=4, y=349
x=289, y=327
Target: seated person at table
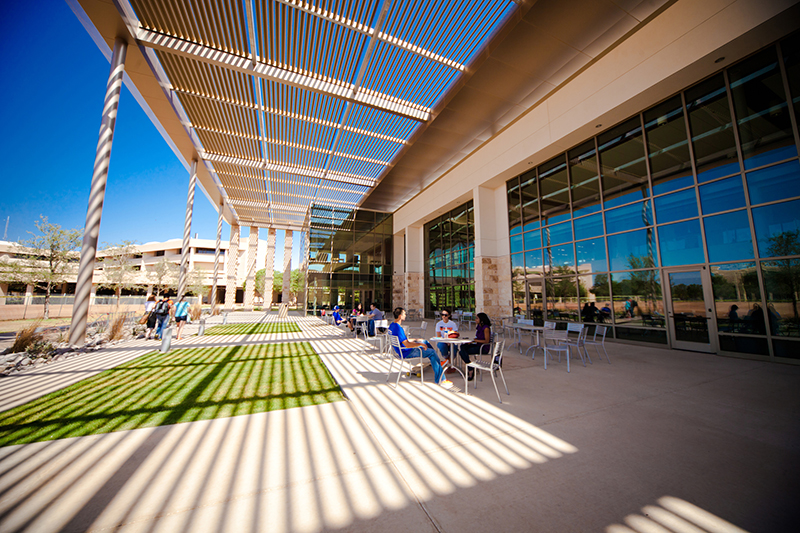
x=374, y=314
x=443, y=329
x=337, y=318
x=481, y=344
x=410, y=347
x=356, y=312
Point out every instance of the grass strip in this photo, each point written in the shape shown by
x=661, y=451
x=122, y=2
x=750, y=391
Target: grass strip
x=253, y=329
x=180, y=386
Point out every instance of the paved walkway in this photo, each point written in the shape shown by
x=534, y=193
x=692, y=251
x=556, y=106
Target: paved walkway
x=656, y=441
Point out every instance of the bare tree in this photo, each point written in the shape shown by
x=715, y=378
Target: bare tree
x=118, y=268
x=164, y=276
x=44, y=260
x=195, y=283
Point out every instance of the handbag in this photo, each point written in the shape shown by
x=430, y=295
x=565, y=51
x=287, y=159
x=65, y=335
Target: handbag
x=144, y=318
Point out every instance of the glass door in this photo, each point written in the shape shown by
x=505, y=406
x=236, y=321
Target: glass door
x=690, y=307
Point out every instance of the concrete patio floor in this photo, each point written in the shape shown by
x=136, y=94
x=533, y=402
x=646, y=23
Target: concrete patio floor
x=658, y=440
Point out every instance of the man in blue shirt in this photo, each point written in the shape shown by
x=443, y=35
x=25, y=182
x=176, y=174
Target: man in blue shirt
x=374, y=314
x=412, y=345
x=337, y=318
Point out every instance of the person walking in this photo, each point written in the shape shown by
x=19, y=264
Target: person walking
x=149, y=306
x=162, y=310
x=181, y=314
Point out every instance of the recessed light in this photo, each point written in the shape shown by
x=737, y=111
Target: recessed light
x=720, y=59
x=599, y=126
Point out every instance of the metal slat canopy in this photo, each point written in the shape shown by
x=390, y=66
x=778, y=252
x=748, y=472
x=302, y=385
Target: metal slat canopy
x=291, y=103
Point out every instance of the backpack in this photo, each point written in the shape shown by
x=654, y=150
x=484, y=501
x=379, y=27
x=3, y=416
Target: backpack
x=162, y=307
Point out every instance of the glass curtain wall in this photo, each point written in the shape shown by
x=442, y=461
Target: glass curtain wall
x=449, y=260
x=709, y=177
x=349, y=258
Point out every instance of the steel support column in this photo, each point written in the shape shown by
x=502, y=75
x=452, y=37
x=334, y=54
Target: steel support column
x=250, y=276
x=94, y=210
x=215, y=280
x=232, y=261
x=187, y=233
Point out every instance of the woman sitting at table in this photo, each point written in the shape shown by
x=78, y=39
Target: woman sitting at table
x=357, y=312
x=481, y=344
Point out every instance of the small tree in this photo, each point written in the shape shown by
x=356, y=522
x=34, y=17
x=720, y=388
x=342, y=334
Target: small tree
x=118, y=268
x=195, y=283
x=44, y=260
x=164, y=275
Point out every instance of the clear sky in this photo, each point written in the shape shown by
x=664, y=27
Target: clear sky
x=51, y=96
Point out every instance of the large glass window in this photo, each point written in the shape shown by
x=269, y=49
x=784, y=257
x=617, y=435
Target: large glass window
x=449, y=272
x=590, y=226
x=676, y=206
x=629, y=217
x=668, y=146
x=622, y=164
x=765, y=129
x=774, y=183
x=728, y=237
x=554, y=190
x=782, y=283
x=631, y=250
x=681, y=244
x=778, y=229
x=585, y=179
x=722, y=195
x=712, y=132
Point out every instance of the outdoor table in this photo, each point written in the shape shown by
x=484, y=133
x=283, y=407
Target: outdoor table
x=453, y=343
x=526, y=327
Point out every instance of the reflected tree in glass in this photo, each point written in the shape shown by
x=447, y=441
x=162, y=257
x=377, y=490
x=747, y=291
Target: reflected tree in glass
x=782, y=282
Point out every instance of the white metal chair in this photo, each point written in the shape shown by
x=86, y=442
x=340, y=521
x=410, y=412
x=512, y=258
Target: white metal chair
x=397, y=355
x=559, y=345
x=362, y=326
x=381, y=336
x=576, y=336
x=492, y=365
x=418, y=330
x=599, y=331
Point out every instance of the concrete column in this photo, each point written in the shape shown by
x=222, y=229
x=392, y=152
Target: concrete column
x=398, y=271
x=28, y=294
x=232, y=260
x=80, y=309
x=250, y=276
x=93, y=295
x=302, y=298
x=3, y=293
x=269, y=268
x=287, y=266
x=215, y=278
x=415, y=268
x=187, y=232
x=493, y=294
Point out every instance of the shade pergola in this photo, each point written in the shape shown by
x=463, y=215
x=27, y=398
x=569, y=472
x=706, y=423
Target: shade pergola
x=289, y=103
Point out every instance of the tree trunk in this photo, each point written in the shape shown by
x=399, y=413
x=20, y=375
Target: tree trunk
x=47, y=302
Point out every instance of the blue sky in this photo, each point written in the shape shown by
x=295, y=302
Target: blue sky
x=54, y=80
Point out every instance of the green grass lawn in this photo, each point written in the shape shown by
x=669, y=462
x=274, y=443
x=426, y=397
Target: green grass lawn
x=180, y=386
x=254, y=329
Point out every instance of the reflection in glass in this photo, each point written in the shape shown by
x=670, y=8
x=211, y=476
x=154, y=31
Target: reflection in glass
x=722, y=195
x=636, y=298
x=533, y=261
x=680, y=243
x=558, y=234
x=584, y=178
x=517, y=263
x=629, y=217
x=622, y=163
x=778, y=229
x=728, y=237
x=554, y=190
x=562, y=299
x=533, y=239
x=591, y=226
x=790, y=48
x=689, y=315
x=667, y=146
x=591, y=255
x=782, y=283
x=560, y=259
x=516, y=243
x=712, y=132
x=514, y=205
x=759, y=101
x=530, y=197
x=736, y=292
x=676, y=206
x=595, y=303
x=631, y=250
x=774, y=183
x=535, y=288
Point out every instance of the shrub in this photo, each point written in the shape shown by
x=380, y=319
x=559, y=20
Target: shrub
x=40, y=347
x=215, y=310
x=115, y=332
x=26, y=337
x=195, y=310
